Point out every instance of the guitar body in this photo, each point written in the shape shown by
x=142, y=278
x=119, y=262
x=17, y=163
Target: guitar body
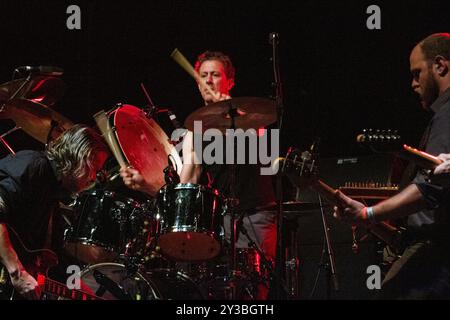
x=37, y=263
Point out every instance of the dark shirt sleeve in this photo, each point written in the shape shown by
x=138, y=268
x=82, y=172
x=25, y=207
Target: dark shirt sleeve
x=434, y=195
x=10, y=191
x=439, y=139
x=18, y=176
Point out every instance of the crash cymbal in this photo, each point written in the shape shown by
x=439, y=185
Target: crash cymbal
x=43, y=89
x=250, y=112
x=36, y=119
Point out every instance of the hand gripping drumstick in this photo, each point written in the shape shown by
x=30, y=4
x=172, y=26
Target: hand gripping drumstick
x=184, y=63
x=422, y=158
x=108, y=135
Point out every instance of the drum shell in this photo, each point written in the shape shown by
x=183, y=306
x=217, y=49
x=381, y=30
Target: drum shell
x=191, y=221
x=105, y=223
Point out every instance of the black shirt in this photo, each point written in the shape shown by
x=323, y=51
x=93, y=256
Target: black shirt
x=436, y=140
x=31, y=191
x=251, y=188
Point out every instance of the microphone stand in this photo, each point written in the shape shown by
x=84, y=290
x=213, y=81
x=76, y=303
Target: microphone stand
x=332, y=280
x=233, y=202
x=276, y=85
x=150, y=110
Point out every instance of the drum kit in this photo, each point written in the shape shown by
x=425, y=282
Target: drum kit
x=169, y=245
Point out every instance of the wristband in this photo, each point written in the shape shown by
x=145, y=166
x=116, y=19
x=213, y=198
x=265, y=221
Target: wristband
x=370, y=215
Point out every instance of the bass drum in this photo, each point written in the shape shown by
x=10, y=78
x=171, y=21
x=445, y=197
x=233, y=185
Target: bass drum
x=111, y=281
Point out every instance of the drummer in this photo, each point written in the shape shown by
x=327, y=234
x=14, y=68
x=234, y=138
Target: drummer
x=253, y=190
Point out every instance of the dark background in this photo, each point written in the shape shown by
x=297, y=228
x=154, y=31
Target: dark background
x=338, y=77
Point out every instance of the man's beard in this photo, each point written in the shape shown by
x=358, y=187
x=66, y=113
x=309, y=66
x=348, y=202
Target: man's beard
x=430, y=92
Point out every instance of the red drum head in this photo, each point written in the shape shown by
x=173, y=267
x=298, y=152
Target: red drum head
x=144, y=144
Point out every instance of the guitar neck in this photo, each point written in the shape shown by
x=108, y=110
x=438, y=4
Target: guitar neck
x=382, y=230
x=60, y=290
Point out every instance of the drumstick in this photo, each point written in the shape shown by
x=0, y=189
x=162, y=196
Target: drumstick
x=107, y=132
x=184, y=63
x=423, y=155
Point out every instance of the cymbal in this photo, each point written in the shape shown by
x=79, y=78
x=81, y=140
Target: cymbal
x=36, y=119
x=43, y=89
x=250, y=113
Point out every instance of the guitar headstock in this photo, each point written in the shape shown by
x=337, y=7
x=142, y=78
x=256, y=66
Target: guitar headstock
x=380, y=140
x=300, y=167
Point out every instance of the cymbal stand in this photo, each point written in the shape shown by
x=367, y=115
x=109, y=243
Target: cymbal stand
x=27, y=80
x=332, y=280
x=3, y=141
x=280, y=291
x=150, y=109
x=233, y=202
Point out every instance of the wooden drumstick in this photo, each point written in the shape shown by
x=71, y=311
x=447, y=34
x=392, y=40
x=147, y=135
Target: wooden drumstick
x=184, y=63
x=107, y=132
x=425, y=159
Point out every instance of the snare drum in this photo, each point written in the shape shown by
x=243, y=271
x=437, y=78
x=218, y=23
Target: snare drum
x=191, y=222
x=105, y=223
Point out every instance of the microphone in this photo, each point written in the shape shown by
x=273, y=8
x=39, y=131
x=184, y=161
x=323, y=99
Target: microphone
x=47, y=70
x=273, y=38
x=179, y=132
x=173, y=118
x=170, y=174
x=314, y=149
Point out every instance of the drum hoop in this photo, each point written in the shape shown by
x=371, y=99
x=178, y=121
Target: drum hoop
x=92, y=243
x=193, y=186
x=152, y=286
x=182, y=275
x=112, y=116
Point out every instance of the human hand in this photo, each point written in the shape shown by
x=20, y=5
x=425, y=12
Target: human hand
x=133, y=179
x=444, y=167
x=349, y=210
x=25, y=284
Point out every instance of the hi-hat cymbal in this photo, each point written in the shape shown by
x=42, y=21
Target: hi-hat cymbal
x=36, y=119
x=250, y=112
x=43, y=89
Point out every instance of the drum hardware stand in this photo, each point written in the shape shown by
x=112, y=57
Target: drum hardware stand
x=266, y=263
x=54, y=124
x=233, y=203
x=330, y=267
x=3, y=141
x=280, y=290
x=2, y=108
x=292, y=261
x=150, y=109
x=27, y=80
